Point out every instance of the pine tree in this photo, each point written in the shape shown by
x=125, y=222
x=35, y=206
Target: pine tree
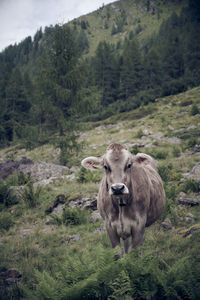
x=105, y=70
x=131, y=70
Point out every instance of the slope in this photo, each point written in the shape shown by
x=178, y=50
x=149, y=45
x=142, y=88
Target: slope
x=68, y=255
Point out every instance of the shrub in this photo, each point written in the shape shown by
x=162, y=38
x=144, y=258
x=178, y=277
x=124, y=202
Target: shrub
x=6, y=221
x=194, y=110
x=192, y=142
x=176, y=151
x=139, y=133
x=31, y=195
x=157, y=154
x=18, y=179
x=74, y=216
x=88, y=176
x=190, y=185
x=7, y=196
x=164, y=171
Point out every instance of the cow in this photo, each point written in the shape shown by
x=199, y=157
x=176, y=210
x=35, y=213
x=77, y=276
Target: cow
x=131, y=194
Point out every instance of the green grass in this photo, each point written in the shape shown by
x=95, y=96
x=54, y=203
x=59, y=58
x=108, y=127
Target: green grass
x=43, y=252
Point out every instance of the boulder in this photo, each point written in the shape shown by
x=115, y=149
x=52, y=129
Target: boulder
x=57, y=206
x=194, y=173
x=9, y=277
x=185, y=199
x=86, y=203
x=166, y=224
x=95, y=217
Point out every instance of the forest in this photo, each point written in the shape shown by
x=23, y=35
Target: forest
x=51, y=82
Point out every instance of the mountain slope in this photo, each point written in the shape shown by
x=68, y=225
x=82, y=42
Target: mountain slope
x=55, y=256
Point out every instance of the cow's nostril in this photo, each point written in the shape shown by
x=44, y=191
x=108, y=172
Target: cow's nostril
x=117, y=188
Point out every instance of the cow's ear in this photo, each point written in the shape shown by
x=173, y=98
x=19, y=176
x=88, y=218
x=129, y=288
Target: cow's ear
x=92, y=163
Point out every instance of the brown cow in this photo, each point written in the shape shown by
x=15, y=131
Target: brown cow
x=131, y=195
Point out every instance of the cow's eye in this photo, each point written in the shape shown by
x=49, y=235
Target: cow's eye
x=128, y=166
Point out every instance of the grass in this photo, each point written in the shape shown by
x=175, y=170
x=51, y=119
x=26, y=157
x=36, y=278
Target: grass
x=41, y=248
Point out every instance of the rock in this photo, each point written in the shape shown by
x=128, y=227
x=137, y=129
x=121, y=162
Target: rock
x=8, y=277
x=185, y=199
x=73, y=238
x=43, y=173
x=196, y=149
x=57, y=206
x=170, y=128
x=173, y=140
x=101, y=229
x=86, y=203
x=166, y=224
x=189, y=218
x=26, y=231
x=186, y=232
x=95, y=217
x=11, y=166
x=194, y=173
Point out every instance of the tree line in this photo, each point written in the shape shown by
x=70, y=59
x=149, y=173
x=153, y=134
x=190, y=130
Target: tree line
x=48, y=84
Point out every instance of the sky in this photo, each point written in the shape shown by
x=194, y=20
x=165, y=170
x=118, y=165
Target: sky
x=22, y=18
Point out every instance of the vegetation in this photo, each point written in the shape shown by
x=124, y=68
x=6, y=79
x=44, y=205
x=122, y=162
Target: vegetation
x=65, y=101
x=48, y=82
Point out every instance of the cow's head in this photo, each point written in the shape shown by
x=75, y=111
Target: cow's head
x=117, y=163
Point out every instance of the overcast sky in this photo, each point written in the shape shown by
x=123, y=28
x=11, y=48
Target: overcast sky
x=22, y=18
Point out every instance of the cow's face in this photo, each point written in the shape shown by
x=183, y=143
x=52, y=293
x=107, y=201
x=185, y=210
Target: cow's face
x=117, y=163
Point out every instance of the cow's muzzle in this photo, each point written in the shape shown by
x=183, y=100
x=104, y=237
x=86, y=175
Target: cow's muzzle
x=118, y=189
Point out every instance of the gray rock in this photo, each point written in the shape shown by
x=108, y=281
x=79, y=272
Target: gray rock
x=166, y=224
x=194, y=173
x=185, y=199
x=189, y=218
x=101, y=229
x=196, y=149
x=95, y=217
x=170, y=128
x=57, y=206
x=86, y=203
x=73, y=238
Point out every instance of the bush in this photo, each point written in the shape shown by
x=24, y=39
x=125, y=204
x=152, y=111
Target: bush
x=139, y=134
x=7, y=196
x=164, y=171
x=157, y=154
x=6, y=221
x=194, y=110
x=88, y=176
x=190, y=185
x=74, y=216
x=18, y=179
x=176, y=151
x=70, y=216
x=31, y=195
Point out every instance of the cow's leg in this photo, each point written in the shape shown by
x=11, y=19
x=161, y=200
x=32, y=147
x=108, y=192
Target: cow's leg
x=114, y=238
x=138, y=237
x=127, y=245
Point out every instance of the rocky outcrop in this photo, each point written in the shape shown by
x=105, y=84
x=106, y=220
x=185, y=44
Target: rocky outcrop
x=194, y=173
x=42, y=173
x=8, y=277
x=11, y=166
x=57, y=206
x=185, y=199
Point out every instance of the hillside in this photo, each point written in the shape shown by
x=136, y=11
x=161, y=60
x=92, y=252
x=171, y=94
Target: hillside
x=118, y=58
x=65, y=254
x=114, y=22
